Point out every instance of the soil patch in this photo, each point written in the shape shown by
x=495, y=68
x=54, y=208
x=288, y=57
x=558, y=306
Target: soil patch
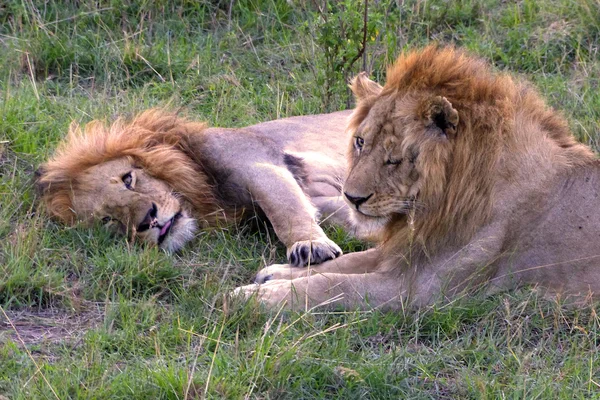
x=47, y=326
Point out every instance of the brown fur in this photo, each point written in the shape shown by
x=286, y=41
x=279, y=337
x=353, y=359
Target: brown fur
x=157, y=141
x=475, y=180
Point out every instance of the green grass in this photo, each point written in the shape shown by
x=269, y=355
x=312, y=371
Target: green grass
x=102, y=318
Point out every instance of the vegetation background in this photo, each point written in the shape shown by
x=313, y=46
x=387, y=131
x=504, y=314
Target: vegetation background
x=84, y=315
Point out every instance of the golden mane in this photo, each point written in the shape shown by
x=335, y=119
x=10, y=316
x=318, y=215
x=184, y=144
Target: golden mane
x=159, y=141
x=458, y=192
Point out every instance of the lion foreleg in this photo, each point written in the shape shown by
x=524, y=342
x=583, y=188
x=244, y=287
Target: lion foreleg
x=291, y=213
x=349, y=291
x=353, y=263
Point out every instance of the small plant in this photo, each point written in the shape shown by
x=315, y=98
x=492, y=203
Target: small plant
x=344, y=30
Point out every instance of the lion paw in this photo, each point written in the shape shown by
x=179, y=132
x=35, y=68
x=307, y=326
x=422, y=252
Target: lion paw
x=279, y=271
x=312, y=252
x=272, y=294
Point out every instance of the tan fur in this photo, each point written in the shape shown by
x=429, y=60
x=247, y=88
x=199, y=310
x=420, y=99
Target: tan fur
x=476, y=182
x=161, y=170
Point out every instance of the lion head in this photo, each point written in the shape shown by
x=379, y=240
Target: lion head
x=426, y=146
x=138, y=178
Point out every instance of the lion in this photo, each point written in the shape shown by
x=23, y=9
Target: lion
x=160, y=176
x=477, y=184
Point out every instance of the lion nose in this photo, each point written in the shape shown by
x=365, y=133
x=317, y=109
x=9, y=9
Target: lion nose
x=149, y=220
x=356, y=200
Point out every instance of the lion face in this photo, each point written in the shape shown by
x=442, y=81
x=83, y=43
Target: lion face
x=399, y=142
x=129, y=201
x=137, y=177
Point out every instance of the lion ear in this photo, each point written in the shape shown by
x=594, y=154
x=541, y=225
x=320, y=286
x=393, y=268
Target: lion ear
x=363, y=87
x=438, y=112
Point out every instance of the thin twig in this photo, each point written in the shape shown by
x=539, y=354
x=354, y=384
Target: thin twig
x=150, y=66
x=32, y=76
x=229, y=14
x=320, y=10
x=191, y=372
x=82, y=14
x=361, y=51
x=364, y=53
x=212, y=362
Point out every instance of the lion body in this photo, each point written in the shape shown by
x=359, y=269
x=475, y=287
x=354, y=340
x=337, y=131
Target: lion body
x=478, y=185
x=159, y=175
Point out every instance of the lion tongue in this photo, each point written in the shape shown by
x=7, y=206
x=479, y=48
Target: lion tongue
x=165, y=227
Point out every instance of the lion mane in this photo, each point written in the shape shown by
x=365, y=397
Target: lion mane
x=160, y=142
x=458, y=184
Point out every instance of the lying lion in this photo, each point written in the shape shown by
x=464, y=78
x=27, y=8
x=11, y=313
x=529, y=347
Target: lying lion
x=476, y=183
x=159, y=176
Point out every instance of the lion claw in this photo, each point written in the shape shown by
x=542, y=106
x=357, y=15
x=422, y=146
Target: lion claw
x=309, y=252
x=277, y=271
x=262, y=278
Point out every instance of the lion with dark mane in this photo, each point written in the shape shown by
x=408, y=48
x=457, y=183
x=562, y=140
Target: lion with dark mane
x=158, y=176
x=476, y=182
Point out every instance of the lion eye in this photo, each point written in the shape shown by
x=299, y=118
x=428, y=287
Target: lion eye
x=359, y=142
x=391, y=161
x=106, y=220
x=128, y=180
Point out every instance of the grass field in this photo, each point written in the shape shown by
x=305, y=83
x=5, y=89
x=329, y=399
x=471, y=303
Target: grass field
x=84, y=315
